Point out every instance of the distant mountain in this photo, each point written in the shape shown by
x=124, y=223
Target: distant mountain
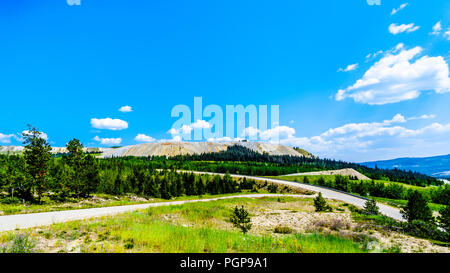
x=436, y=166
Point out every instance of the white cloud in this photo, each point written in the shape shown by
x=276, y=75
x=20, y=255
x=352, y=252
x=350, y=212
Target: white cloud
x=109, y=124
x=447, y=34
x=348, y=68
x=187, y=129
x=144, y=138
x=125, y=109
x=395, y=10
x=422, y=117
x=6, y=138
x=108, y=141
x=376, y=140
x=270, y=134
x=396, y=78
x=437, y=28
x=223, y=139
x=42, y=134
x=396, y=29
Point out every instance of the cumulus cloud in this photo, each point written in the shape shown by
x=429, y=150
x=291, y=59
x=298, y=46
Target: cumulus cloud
x=399, y=77
x=187, y=129
x=42, y=134
x=447, y=34
x=348, y=68
x=431, y=116
x=108, y=141
x=437, y=28
x=125, y=109
x=271, y=135
x=396, y=29
x=375, y=140
x=6, y=138
x=109, y=124
x=395, y=10
x=144, y=138
x=223, y=139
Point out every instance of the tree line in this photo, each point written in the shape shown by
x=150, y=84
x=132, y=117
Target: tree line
x=438, y=195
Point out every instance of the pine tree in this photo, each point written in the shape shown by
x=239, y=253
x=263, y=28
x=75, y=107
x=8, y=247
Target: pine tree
x=321, y=204
x=370, y=207
x=241, y=219
x=37, y=154
x=417, y=208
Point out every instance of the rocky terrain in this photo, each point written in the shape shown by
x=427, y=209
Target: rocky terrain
x=175, y=148
x=344, y=172
x=188, y=148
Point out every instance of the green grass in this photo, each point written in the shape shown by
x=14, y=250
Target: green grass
x=73, y=203
x=193, y=228
x=401, y=203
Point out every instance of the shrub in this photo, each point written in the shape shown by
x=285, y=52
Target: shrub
x=10, y=200
x=371, y=208
x=282, y=229
x=338, y=224
x=320, y=204
x=424, y=229
x=20, y=244
x=241, y=219
x=129, y=243
x=272, y=188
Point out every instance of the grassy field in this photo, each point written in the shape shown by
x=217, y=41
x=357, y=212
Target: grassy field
x=280, y=224
x=193, y=228
x=96, y=201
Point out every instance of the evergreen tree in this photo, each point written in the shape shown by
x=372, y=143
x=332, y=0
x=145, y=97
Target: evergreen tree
x=444, y=220
x=321, y=204
x=417, y=208
x=370, y=207
x=241, y=219
x=37, y=154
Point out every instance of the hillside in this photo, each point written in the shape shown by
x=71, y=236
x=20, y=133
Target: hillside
x=192, y=148
x=344, y=172
x=437, y=166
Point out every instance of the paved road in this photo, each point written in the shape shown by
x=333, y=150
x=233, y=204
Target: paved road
x=19, y=221
x=326, y=192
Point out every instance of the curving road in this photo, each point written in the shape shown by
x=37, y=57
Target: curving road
x=19, y=221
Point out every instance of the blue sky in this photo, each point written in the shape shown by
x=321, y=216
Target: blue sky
x=62, y=66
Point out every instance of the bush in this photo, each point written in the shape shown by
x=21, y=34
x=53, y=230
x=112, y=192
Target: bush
x=320, y=204
x=282, y=230
x=241, y=219
x=371, y=208
x=424, y=229
x=20, y=244
x=10, y=200
x=272, y=188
